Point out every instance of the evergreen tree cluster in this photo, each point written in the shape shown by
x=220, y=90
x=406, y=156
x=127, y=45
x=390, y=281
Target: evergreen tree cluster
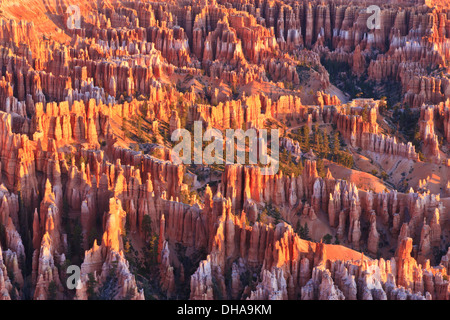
x=324, y=145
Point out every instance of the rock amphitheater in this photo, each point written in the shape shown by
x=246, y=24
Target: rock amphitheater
x=359, y=210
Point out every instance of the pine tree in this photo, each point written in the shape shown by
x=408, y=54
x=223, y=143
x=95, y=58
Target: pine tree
x=320, y=168
x=305, y=138
x=139, y=128
x=365, y=113
x=91, y=285
x=300, y=166
x=326, y=145
x=52, y=290
x=316, y=128
x=304, y=232
x=145, y=108
x=127, y=246
x=335, y=145
x=146, y=226
x=124, y=126
x=327, y=238
x=318, y=142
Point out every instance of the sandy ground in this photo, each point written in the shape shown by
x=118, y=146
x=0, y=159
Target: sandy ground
x=334, y=252
x=362, y=180
x=334, y=91
x=438, y=174
x=401, y=170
